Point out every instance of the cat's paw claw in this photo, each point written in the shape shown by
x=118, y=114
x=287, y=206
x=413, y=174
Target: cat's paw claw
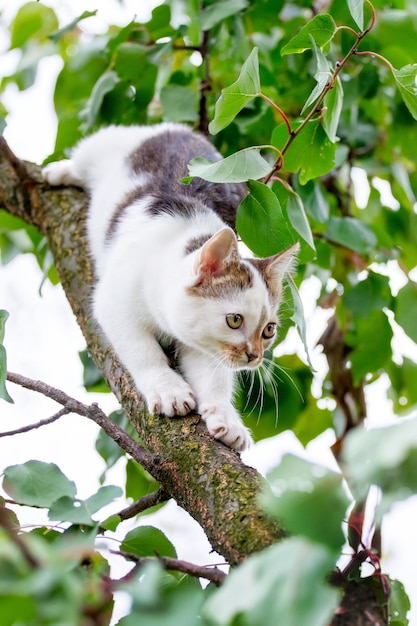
x=227, y=428
x=172, y=403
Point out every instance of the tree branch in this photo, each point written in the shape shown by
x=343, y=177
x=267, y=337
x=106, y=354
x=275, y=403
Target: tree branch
x=44, y=422
x=205, y=477
x=94, y=413
x=144, y=503
x=213, y=574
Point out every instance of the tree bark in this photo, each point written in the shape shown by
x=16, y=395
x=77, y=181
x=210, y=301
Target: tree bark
x=205, y=477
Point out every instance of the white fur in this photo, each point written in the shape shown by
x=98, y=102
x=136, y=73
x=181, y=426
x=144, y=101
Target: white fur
x=141, y=293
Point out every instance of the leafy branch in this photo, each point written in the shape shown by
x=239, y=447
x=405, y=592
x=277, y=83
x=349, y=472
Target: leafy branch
x=318, y=32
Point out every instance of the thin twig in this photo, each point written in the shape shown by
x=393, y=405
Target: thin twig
x=205, y=84
x=151, y=499
x=375, y=55
x=93, y=412
x=44, y=422
x=213, y=574
x=279, y=110
x=10, y=530
x=144, y=503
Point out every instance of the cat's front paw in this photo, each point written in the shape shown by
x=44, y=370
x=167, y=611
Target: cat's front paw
x=172, y=397
x=225, y=424
x=60, y=173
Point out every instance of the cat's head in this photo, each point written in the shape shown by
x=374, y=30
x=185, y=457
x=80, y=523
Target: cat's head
x=230, y=307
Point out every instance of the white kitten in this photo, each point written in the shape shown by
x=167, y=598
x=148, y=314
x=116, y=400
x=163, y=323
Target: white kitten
x=168, y=265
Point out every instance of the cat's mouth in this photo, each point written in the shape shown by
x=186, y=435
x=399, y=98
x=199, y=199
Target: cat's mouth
x=240, y=357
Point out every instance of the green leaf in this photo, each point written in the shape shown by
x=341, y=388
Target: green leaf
x=17, y=609
x=286, y=580
x=403, y=390
x=215, y=13
x=11, y=516
x=356, y=11
x=160, y=23
x=4, y=394
x=322, y=76
x=3, y=358
x=333, y=103
x=131, y=58
x=405, y=309
x=315, y=202
x=111, y=523
x=69, y=509
x=132, y=64
x=311, y=154
x=312, y=422
x=298, y=218
x=372, y=344
x=92, y=377
x=105, y=84
x=261, y=223
x=372, y=293
x=33, y=21
x=351, y=233
x=406, y=82
x=180, y=104
x=386, y=457
x=398, y=604
x=298, y=318
x=309, y=500
x=236, y=168
x=164, y=599
x=148, y=541
x=236, y=96
x=37, y=483
x=69, y=27
x=107, y=448
x=138, y=481
x=318, y=31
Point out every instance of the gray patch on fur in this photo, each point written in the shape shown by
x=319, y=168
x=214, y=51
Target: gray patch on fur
x=164, y=158
x=196, y=243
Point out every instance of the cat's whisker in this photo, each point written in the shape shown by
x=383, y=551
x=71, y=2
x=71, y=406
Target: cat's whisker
x=249, y=394
x=270, y=378
x=261, y=394
x=284, y=371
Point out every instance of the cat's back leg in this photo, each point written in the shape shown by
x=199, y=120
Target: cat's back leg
x=98, y=158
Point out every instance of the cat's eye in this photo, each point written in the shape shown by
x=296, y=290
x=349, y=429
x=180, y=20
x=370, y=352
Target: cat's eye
x=269, y=330
x=234, y=320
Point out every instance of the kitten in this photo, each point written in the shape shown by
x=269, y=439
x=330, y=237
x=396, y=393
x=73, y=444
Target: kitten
x=168, y=266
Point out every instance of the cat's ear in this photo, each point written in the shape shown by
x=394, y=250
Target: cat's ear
x=216, y=254
x=282, y=263
x=274, y=268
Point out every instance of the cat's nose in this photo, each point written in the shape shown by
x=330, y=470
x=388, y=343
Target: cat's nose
x=252, y=356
